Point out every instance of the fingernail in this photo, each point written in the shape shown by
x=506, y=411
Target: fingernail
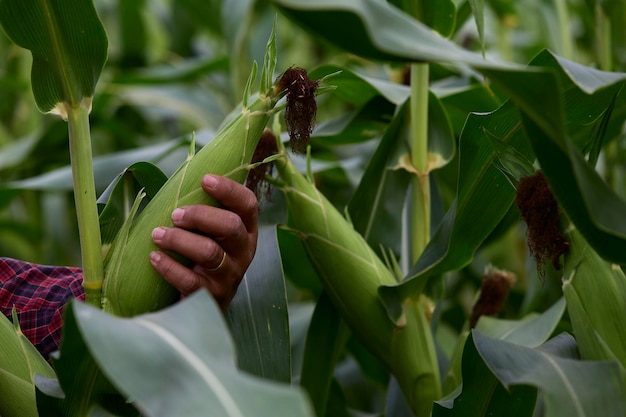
x=155, y=257
x=209, y=181
x=177, y=215
x=158, y=233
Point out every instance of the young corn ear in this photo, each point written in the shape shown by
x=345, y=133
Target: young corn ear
x=595, y=292
x=131, y=284
x=351, y=273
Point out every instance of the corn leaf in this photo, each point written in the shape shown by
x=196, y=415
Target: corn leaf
x=116, y=201
x=167, y=156
x=579, y=94
x=481, y=394
x=81, y=385
x=18, y=396
x=375, y=206
x=531, y=331
x=553, y=369
x=19, y=361
x=68, y=44
x=376, y=30
x=170, y=370
x=595, y=293
x=325, y=341
x=590, y=203
x=257, y=317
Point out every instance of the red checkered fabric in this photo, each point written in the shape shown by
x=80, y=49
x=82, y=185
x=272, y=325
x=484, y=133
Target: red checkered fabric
x=38, y=293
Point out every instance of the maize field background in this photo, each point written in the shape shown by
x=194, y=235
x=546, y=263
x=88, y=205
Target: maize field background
x=451, y=244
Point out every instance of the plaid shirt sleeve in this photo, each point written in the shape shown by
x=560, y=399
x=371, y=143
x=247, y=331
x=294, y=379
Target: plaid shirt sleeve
x=39, y=294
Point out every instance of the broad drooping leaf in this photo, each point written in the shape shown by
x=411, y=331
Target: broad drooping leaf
x=375, y=29
x=68, y=44
x=569, y=386
x=181, y=362
x=80, y=384
x=530, y=331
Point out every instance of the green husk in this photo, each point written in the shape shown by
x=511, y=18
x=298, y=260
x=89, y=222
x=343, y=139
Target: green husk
x=131, y=285
x=19, y=361
x=351, y=273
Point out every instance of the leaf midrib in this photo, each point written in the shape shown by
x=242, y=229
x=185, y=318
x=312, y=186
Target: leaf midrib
x=61, y=63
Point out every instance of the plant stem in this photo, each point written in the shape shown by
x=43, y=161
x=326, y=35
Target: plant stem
x=567, y=48
x=420, y=189
x=85, y=200
x=603, y=39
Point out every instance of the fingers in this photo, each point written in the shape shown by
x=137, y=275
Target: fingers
x=187, y=281
x=196, y=248
x=220, y=242
x=235, y=197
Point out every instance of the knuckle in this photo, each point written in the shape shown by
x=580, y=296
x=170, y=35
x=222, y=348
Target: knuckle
x=250, y=204
x=212, y=256
x=188, y=286
x=233, y=224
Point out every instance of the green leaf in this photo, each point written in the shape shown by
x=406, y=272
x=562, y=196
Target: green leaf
x=359, y=89
x=439, y=15
x=478, y=8
x=591, y=204
x=18, y=396
x=483, y=197
x=296, y=265
x=594, y=291
x=531, y=331
x=325, y=341
x=81, y=385
x=19, y=362
x=118, y=198
x=258, y=317
x=167, y=156
x=357, y=126
x=481, y=395
x=377, y=202
x=69, y=48
x=568, y=386
x=170, y=369
x=374, y=29
x=553, y=100
x=188, y=70
x=565, y=382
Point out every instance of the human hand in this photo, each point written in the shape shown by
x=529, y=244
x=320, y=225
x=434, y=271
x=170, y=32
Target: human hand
x=220, y=241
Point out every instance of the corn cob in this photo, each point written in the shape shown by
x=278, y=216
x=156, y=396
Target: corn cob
x=351, y=273
x=595, y=292
x=131, y=285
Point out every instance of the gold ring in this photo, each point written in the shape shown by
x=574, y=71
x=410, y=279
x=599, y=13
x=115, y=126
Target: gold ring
x=220, y=265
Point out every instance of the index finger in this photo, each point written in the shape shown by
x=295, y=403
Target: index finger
x=233, y=196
